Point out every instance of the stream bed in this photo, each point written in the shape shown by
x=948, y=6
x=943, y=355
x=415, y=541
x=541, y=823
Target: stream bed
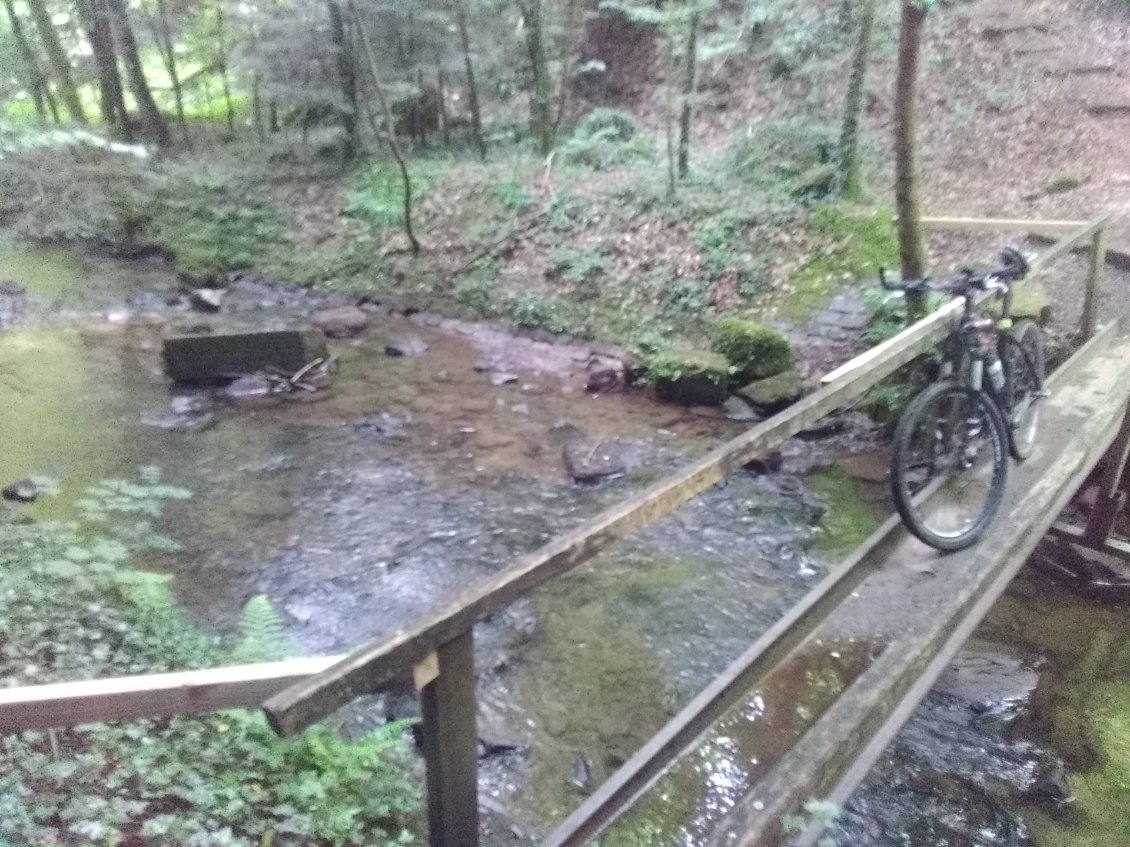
x=359, y=508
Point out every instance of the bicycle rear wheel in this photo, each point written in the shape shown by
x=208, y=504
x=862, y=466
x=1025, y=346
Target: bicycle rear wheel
x=949, y=465
x=1022, y=354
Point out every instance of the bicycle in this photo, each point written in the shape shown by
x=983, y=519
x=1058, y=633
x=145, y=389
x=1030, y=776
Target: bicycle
x=948, y=463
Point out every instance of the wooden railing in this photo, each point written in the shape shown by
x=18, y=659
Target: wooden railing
x=437, y=649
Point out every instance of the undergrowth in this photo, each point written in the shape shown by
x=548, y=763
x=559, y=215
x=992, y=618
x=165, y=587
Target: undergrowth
x=72, y=606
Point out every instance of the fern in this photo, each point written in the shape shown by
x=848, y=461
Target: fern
x=262, y=637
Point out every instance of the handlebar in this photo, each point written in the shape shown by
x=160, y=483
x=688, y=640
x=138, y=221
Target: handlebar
x=1014, y=266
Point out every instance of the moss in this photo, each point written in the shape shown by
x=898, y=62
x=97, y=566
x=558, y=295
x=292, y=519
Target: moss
x=856, y=246
x=775, y=392
x=854, y=510
x=1062, y=183
x=754, y=351
x=688, y=375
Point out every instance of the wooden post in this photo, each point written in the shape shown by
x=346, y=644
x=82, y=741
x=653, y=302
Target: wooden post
x=1094, y=283
x=451, y=747
x=1111, y=498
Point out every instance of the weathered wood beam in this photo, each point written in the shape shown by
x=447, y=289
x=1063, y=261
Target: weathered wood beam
x=938, y=223
x=66, y=704
x=1111, y=547
x=310, y=700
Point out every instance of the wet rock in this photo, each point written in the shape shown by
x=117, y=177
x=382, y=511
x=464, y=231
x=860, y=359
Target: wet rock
x=186, y=413
x=380, y=424
x=692, y=389
x=21, y=491
x=11, y=289
x=740, y=410
x=564, y=431
x=580, y=774
x=342, y=322
x=226, y=354
x=593, y=459
x=489, y=748
x=767, y=464
x=775, y=393
x=408, y=346
x=206, y=299
x=800, y=458
x=605, y=375
x=497, y=379
x=995, y=685
x=252, y=385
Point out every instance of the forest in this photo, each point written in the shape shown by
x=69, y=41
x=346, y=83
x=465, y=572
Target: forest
x=699, y=192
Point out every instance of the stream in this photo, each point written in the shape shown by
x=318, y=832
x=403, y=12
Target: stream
x=359, y=508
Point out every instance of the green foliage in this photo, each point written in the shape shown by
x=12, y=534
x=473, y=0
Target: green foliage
x=262, y=636
x=675, y=362
x=72, y=607
x=714, y=237
x=888, y=315
x=774, y=154
x=580, y=268
x=534, y=310
x=475, y=288
x=885, y=402
x=376, y=195
x=753, y=351
x=512, y=195
x=606, y=139
x=684, y=297
x=820, y=813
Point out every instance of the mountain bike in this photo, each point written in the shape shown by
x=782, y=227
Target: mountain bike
x=948, y=467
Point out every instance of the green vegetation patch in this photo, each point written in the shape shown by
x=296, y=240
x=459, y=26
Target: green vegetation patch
x=685, y=374
x=376, y=194
x=605, y=139
x=853, y=246
x=72, y=606
x=852, y=510
x=754, y=351
x=774, y=154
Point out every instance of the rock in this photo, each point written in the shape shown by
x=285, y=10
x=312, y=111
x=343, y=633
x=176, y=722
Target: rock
x=740, y=410
x=206, y=299
x=593, y=459
x=342, y=322
x=227, y=354
x=767, y=464
x=800, y=458
x=502, y=378
x=580, y=774
x=563, y=432
x=407, y=346
x=774, y=393
x=186, y=413
x=605, y=375
x=21, y=491
x=753, y=350
x=690, y=376
x=380, y=424
x=693, y=389
x=251, y=385
x=11, y=289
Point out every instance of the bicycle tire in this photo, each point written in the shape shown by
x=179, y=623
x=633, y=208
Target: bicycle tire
x=1022, y=355
x=907, y=501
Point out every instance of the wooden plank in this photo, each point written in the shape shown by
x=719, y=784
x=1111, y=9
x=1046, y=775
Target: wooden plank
x=66, y=704
x=450, y=743
x=824, y=756
x=372, y=663
x=1112, y=547
x=1093, y=292
x=638, y=773
x=936, y=223
x=1067, y=244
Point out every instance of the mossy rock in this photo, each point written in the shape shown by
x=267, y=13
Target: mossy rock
x=817, y=181
x=754, y=351
x=772, y=394
x=689, y=376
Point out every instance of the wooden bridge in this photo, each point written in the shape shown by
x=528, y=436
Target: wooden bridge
x=1084, y=425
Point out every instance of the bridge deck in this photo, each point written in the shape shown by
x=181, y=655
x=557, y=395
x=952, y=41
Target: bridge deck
x=914, y=611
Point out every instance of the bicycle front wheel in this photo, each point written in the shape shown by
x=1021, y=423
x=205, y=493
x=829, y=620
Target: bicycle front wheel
x=1022, y=354
x=949, y=465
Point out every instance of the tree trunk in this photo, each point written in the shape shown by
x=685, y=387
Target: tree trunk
x=441, y=84
x=541, y=99
x=222, y=66
x=851, y=183
x=167, y=48
x=912, y=251
x=390, y=128
x=152, y=121
x=347, y=78
x=568, y=41
x=472, y=86
x=690, y=66
x=111, y=101
x=33, y=75
x=57, y=56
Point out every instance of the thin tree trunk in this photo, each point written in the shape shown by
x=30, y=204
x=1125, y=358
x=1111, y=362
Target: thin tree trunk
x=541, y=99
x=912, y=250
x=257, y=106
x=167, y=48
x=568, y=40
x=390, y=128
x=111, y=100
x=851, y=183
x=152, y=120
x=690, y=67
x=222, y=66
x=347, y=78
x=33, y=75
x=273, y=116
x=57, y=57
x=669, y=95
x=472, y=86
x=441, y=84
x=51, y=104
